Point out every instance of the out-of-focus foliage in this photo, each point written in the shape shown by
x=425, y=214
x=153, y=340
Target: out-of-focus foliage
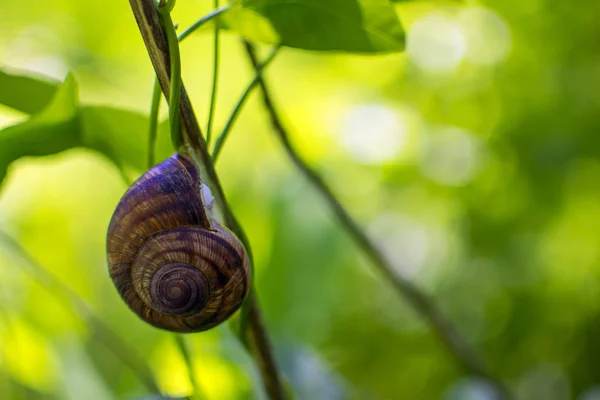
x=62, y=124
x=349, y=25
x=473, y=158
x=25, y=94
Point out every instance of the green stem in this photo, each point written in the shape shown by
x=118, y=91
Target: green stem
x=213, y=95
x=154, y=39
x=156, y=93
x=175, y=87
x=202, y=21
x=153, y=130
x=236, y=110
x=184, y=348
x=164, y=11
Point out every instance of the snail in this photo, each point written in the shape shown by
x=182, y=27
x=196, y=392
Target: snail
x=174, y=266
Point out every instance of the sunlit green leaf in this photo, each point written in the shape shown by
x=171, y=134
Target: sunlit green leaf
x=120, y=135
x=52, y=130
x=25, y=93
x=348, y=25
x=251, y=25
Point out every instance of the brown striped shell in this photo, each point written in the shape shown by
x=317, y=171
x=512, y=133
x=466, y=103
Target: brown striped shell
x=173, y=266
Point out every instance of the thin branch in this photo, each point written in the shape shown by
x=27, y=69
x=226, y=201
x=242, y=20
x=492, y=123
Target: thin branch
x=215, y=80
x=148, y=21
x=202, y=21
x=156, y=92
x=155, y=41
x=164, y=11
x=153, y=128
x=236, y=110
x=256, y=339
x=156, y=44
x=82, y=309
x=185, y=351
x=419, y=300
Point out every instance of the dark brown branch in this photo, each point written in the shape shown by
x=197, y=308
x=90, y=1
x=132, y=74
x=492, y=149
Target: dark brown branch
x=155, y=40
x=256, y=339
x=148, y=21
x=418, y=299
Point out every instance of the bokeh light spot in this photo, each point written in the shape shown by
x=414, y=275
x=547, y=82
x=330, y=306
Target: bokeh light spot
x=408, y=243
x=591, y=394
x=377, y=133
x=450, y=156
x=36, y=49
x=487, y=36
x=544, y=381
x=471, y=389
x=436, y=44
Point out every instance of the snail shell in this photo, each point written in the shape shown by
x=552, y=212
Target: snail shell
x=175, y=268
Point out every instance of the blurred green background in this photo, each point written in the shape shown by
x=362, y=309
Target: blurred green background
x=473, y=160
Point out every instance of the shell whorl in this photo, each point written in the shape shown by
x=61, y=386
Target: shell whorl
x=173, y=266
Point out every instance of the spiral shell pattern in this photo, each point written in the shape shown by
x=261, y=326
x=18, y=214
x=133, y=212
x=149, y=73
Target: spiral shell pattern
x=175, y=268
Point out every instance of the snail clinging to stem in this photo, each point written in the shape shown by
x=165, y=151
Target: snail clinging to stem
x=174, y=266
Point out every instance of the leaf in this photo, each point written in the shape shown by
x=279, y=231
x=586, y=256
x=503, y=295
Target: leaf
x=159, y=397
x=365, y=26
x=52, y=130
x=250, y=24
x=25, y=93
x=121, y=135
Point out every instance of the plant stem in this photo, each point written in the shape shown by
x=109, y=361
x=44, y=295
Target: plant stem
x=153, y=129
x=236, y=110
x=421, y=302
x=202, y=21
x=185, y=351
x=215, y=80
x=156, y=92
x=82, y=309
x=156, y=44
x=164, y=11
x=256, y=339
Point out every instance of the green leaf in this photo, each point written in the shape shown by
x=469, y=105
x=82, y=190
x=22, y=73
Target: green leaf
x=25, y=93
x=159, y=397
x=250, y=24
x=52, y=130
x=365, y=26
x=121, y=135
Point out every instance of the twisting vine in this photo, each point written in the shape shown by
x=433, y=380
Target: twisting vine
x=215, y=79
x=156, y=91
x=153, y=126
x=164, y=10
